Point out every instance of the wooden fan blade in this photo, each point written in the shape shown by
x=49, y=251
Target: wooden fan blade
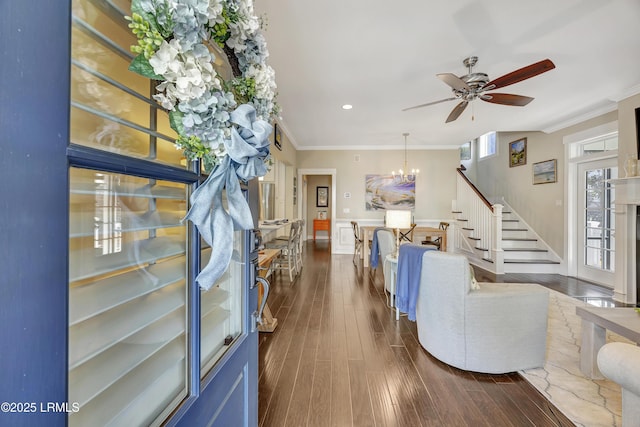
x=521, y=74
x=506, y=99
x=429, y=103
x=455, y=113
x=454, y=81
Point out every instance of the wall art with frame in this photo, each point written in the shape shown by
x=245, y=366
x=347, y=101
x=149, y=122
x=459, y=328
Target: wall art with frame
x=277, y=136
x=465, y=151
x=545, y=172
x=322, y=197
x=389, y=192
x=518, y=152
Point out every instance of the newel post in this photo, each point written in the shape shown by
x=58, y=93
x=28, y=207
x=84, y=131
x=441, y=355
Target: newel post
x=496, y=230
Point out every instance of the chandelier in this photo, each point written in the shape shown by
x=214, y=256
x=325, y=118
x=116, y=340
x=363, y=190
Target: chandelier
x=403, y=174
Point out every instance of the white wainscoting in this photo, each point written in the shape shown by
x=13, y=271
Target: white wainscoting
x=343, y=241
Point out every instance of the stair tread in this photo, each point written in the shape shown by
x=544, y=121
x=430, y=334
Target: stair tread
x=481, y=249
x=530, y=261
x=520, y=239
x=514, y=229
x=509, y=220
x=462, y=219
x=474, y=238
x=467, y=228
x=456, y=212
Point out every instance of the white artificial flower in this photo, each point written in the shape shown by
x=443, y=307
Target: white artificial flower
x=161, y=60
x=214, y=12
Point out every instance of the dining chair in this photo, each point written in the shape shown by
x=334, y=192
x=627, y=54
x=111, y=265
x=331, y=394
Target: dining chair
x=437, y=242
x=406, y=235
x=357, y=250
x=300, y=244
x=286, y=259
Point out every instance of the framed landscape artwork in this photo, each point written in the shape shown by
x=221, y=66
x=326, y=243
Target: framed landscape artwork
x=465, y=151
x=545, y=172
x=518, y=152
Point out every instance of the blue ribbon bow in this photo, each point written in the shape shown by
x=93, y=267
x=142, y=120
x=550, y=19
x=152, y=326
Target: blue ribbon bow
x=246, y=153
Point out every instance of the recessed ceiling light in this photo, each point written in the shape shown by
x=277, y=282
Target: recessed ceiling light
x=347, y=107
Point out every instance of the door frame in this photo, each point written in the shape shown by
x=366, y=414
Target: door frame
x=571, y=143
x=302, y=202
x=606, y=278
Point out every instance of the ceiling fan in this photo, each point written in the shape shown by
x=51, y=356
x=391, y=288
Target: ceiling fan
x=474, y=85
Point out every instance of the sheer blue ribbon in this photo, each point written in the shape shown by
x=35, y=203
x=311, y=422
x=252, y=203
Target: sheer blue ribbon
x=246, y=153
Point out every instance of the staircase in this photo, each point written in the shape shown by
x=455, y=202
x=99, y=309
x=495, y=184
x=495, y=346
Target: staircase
x=524, y=251
x=496, y=238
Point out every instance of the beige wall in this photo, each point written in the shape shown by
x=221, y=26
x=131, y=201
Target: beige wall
x=542, y=205
x=435, y=185
x=288, y=153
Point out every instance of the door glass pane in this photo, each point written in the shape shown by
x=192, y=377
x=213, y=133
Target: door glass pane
x=221, y=307
x=599, y=244
x=127, y=298
x=111, y=107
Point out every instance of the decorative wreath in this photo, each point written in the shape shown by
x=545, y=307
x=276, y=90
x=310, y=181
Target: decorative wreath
x=173, y=38
x=224, y=123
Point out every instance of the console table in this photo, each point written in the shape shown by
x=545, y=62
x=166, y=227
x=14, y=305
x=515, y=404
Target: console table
x=595, y=322
x=265, y=258
x=321, y=225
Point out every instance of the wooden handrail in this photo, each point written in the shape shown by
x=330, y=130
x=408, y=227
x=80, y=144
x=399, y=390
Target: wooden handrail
x=475, y=189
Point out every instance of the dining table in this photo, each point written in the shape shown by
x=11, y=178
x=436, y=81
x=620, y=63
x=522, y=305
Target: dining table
x=366, y=231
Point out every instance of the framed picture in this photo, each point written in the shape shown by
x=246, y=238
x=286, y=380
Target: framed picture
x=322, y=197
x=518, y=152
x=545, y=172
x=277, y=136
x=465, y=151
x=384, y=192
x=295, y=190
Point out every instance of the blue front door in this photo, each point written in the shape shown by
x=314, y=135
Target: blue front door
x=98, y=295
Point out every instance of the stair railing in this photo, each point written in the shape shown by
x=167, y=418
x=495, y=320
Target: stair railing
x=484, y=218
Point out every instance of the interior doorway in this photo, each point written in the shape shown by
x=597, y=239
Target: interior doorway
x=309, y=192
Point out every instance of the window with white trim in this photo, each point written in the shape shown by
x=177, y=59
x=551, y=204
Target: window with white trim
x=487, y=146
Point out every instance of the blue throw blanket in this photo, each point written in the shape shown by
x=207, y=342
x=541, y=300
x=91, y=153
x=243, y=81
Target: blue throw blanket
x=408, y=280
x=375, y=251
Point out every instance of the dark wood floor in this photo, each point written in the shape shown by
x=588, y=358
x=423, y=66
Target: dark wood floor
x=339, y=358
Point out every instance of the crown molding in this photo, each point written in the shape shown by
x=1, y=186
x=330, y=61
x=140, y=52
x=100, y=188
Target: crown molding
x=607, y=108
x=378, y=147
x=286, y=131
x=632, y=91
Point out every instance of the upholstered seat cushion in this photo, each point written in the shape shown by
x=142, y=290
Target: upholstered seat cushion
x=498, y=328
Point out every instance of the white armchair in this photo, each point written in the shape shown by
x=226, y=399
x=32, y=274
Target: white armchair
x=496, y=328
x=620, y=362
